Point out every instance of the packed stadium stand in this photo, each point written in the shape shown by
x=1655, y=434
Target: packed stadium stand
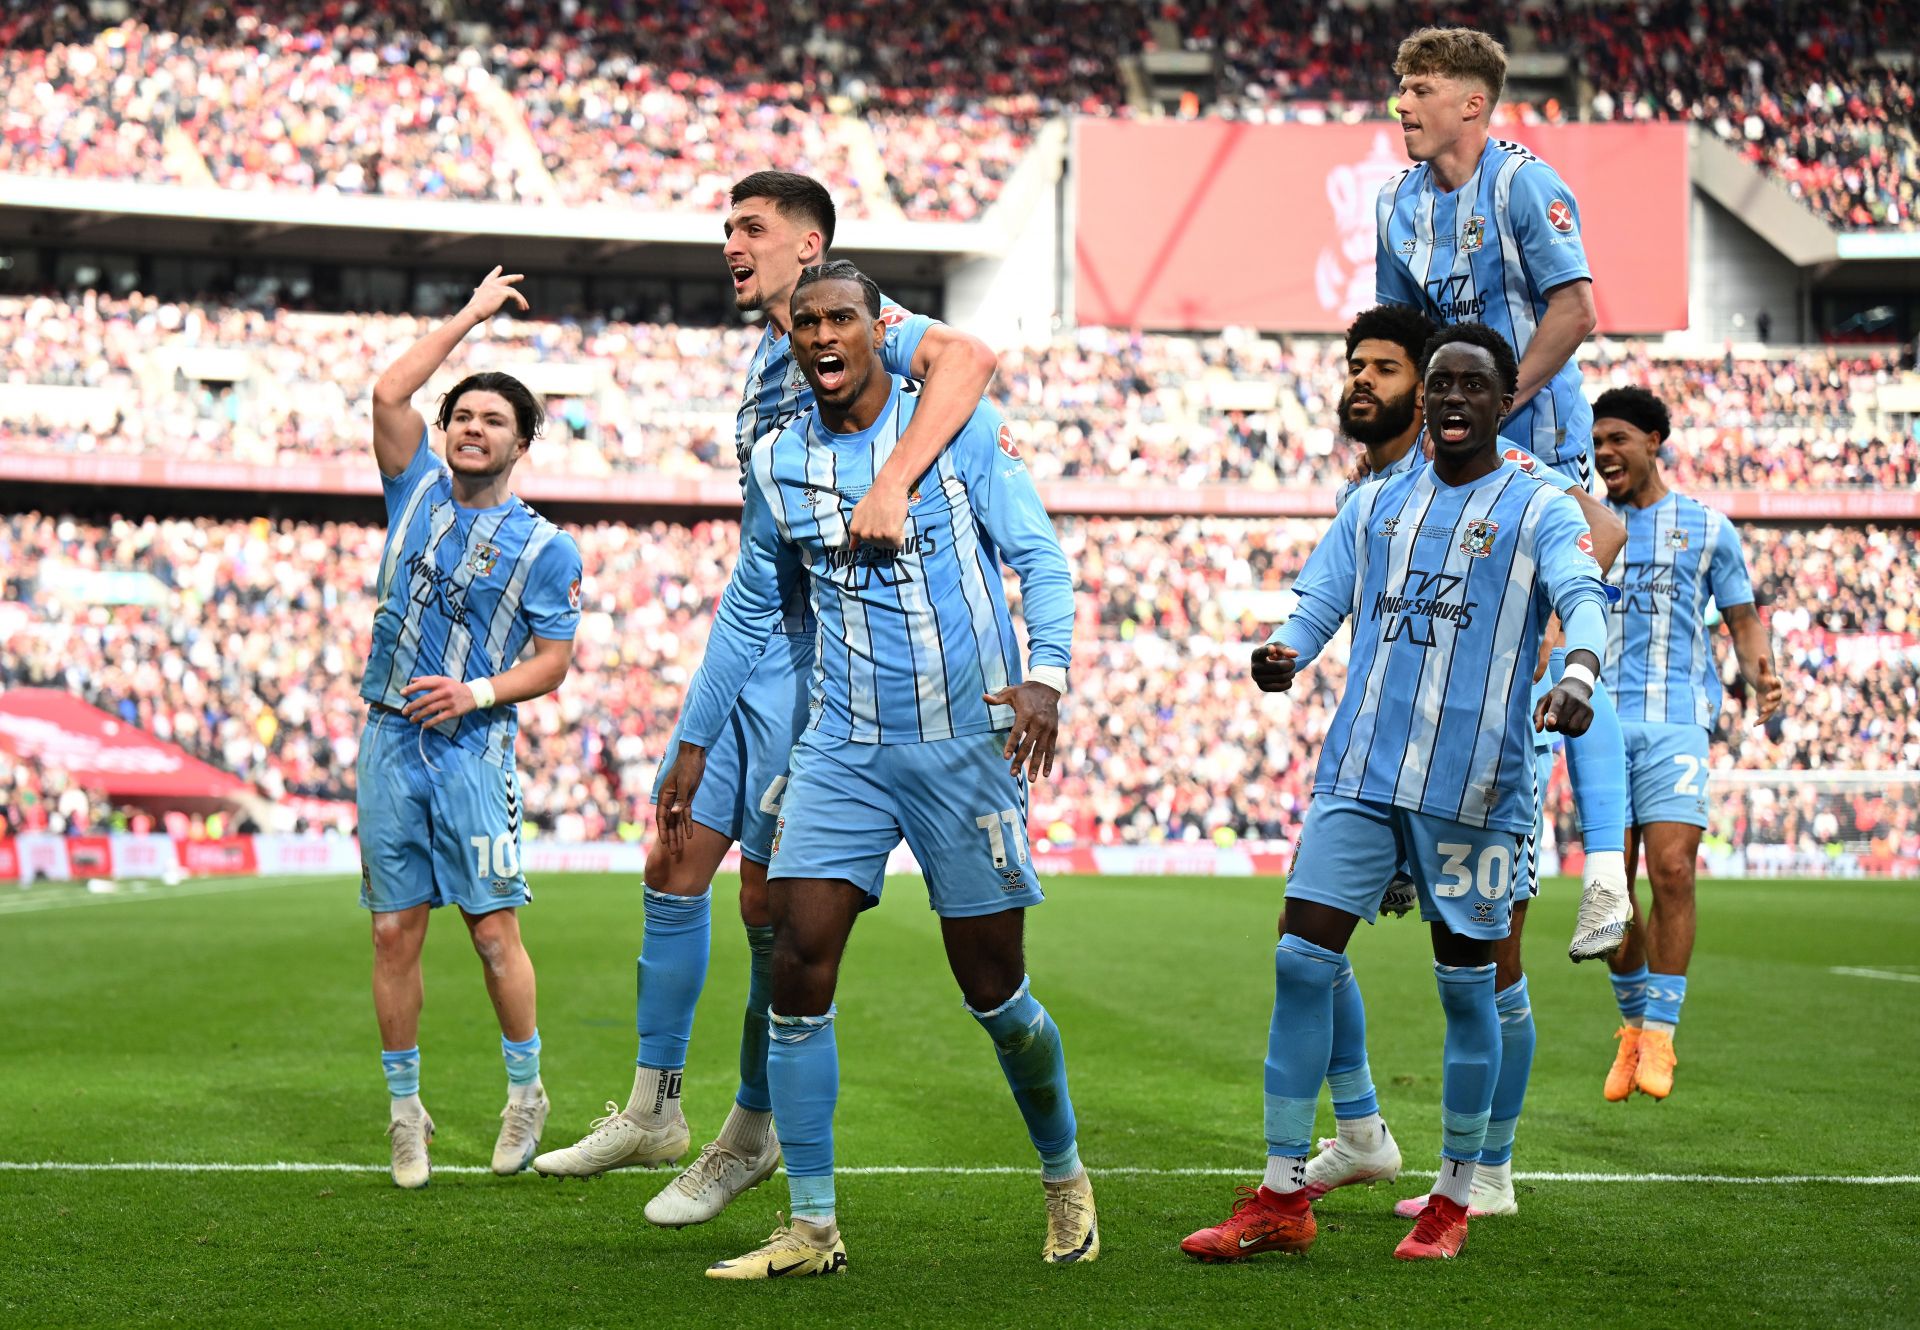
x=924, y=114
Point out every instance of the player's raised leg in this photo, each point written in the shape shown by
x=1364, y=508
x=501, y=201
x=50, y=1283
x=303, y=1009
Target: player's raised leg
x=812, y=919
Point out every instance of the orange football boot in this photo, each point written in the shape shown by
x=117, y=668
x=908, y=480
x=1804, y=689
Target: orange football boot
x=1620, y=1074
x=1653, y=1074
x=1262, y=1220
x=1439, y=1234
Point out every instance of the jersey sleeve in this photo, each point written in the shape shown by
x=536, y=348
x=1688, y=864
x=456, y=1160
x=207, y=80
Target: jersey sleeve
x=749, y=611
x=1727, y=574
x=1392, y=283
x=395, y=489
x=552, y=600
x=905, y=331
x=1006, y=503
x=1323, y=593
x=1563, y=552
x=1545, y=221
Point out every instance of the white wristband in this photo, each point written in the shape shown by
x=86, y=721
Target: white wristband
x=1053, y=676
x=483, y=695
x=1580, y=672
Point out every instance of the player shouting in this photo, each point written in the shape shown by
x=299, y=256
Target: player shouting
x=1449, y=573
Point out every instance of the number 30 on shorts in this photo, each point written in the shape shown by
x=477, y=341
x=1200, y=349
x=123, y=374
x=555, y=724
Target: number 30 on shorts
x=1492, y=875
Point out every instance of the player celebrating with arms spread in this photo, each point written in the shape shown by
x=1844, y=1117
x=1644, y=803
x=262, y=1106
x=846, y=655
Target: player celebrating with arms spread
x=780, y=223
x=470, y=577
x=1483, y=230
x=919, y=706
x=1659, y=664
x=1449, y=572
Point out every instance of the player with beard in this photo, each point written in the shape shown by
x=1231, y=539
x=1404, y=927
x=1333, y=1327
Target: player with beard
x=1381, y=408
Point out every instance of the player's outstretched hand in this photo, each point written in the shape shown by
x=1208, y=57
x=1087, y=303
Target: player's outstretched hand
x=494, y=291
x=435, y=698
x=880, y=518
x=1273, y=667
x=1567, y=710
x=1768, y=693
x=673, y=814
x=1036, y=726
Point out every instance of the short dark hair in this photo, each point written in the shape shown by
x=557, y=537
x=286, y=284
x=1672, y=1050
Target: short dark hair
x=840, y=270
x=528, y=414
x=1403, y=325
x=1638, y=407
x=1480, y=335
x=794, y=195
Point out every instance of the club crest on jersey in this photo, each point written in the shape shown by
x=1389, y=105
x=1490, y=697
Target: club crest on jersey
x=1007, y=445
x=1521, y=458
x=779, y=829
x=1478, y=542
x=573, y=594
x=1677, y=539
x=1473, y=234
x=483, y=559
x=1560, y=216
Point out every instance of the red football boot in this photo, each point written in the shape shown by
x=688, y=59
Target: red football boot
x=1262, y=1220
x=1439, y=1234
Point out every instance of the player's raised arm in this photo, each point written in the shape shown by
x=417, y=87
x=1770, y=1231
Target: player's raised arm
x=955, y=369
x=397, y=426
x=1546, y=224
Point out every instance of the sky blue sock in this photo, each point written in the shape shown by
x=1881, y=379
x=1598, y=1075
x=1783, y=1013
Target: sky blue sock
x=1516, y=1064
x=1665, y=993
x=1299, y=1042
x=402, y=1069
x=1471, y=1061
x=523, y=1059
x=671, y=971
x=1597, y=768
x=753, y=1030
x=1630, y=993
x=1035, y=1065
x=1348, y=1077
x=803, y=1074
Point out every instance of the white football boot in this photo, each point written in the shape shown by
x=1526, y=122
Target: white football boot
x=617, y=1141
x=410, y=1137
x=1490, y=1194
x=710, y=1184
x=1340, y=1163
x=1605, y=910
x=521, y=1123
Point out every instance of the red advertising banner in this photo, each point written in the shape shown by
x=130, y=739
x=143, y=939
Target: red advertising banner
x=90, y=856
x=228, y=856
x=1199, y=224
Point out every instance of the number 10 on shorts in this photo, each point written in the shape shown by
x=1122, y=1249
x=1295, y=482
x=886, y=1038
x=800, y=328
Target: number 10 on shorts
x=495, y=856
x=997, y=838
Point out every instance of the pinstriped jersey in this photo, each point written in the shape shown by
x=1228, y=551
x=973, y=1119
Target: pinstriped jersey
x=1448, y=589
x=1680, y=555
x=777, y=391
x=1490, y=252
x=460, y=591
x=909, y=639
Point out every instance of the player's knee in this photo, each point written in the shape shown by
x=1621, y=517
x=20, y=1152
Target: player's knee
x=1672, y=872
x=393, y=938
x=989, y=986
x=495, y=940
x=756, y=910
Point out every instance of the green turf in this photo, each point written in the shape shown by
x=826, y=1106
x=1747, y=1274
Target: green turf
x=237, y=1027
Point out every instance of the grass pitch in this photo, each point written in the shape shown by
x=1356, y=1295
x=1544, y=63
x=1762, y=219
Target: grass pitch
x=231, y=1024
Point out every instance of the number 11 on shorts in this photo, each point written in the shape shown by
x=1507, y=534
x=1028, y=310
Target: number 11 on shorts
x=997, y=839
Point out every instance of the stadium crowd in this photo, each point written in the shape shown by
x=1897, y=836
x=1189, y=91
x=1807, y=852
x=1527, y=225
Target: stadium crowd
x=922, y=112
x=1091, y=404
x=245, y=645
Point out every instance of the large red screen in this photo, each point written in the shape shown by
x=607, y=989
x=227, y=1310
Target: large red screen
x=1210, y=223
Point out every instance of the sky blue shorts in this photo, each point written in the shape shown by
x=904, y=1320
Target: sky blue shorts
x=961, y=812
x=739, y=796
x=439, y=824
x=1466, y=877
x=1666, y=773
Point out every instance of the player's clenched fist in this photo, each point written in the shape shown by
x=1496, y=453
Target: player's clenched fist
x=1273, y=667
x=1567, y=710
x=1036, y=726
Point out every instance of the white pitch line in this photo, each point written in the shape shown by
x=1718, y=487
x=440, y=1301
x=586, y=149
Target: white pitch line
x=1862, y=973
x=973, y=1171
x=10, y=905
